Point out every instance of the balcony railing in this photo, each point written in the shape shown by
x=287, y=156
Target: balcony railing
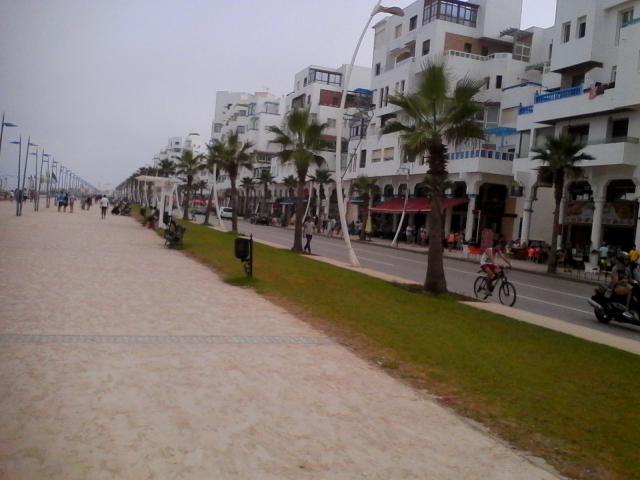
x=525, y=110
x=634, y=21
x=614, y=140
x=482, y=153
x=473, y=56
x=559, y=94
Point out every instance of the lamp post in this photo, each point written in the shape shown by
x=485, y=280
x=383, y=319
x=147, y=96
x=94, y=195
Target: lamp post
x=2, y=125
x=407, y=170
x=340, y=124
x=24, y=172
x=18, y=192
x=52, y=176
x=33, y=187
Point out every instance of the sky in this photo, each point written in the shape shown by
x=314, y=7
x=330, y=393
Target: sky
x=102, y=84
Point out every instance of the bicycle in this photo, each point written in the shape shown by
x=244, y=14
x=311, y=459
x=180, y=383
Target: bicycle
x=506, y=290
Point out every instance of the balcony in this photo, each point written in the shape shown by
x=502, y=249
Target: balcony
x=635, y=21
x=525, y=110
x=558, y=94
x=613, y=151
x=479, y=58
x=481, y=161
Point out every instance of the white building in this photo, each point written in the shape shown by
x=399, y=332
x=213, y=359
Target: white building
x=592, y=91
x=249, y=115
x=319, y=89
x=475, y=41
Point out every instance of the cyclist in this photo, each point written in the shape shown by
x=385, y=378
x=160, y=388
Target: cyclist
x=490, y=267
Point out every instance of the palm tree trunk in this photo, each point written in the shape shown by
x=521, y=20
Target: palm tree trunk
x=209, y=205
x=297, y=239
x=266, y=191
x=435, y=281
x=185, y=214
x=306, y=212
x=553, y=260
x=234, y=209
x=319, y=200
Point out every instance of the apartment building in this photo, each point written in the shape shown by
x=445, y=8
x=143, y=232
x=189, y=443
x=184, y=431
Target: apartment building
x=319, y=89
x=249, y=115
x=591, y=90
x=474, y=41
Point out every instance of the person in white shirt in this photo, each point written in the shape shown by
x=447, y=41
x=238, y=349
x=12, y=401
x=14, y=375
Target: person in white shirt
x=489, y=266
x=104, y=204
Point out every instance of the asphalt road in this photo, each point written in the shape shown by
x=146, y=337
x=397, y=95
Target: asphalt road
x=561, y=299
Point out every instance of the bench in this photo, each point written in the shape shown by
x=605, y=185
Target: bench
x=173, y=235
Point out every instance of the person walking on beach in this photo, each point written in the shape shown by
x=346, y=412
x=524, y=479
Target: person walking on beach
x=104, y=204
x=72, y=200
x=65, y=201
x=307, y=229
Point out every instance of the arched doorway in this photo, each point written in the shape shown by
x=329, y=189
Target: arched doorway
x=578, y=216
x=491, y=206
x=459, y=212
x=619, y=215
x=388, y=192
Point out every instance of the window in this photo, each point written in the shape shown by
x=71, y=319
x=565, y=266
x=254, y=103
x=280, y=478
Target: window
x=386, y=96
x=499, y=81
x=388, y=154
x=566, y=32
x=619, y=128
x=378, y=69
x=450, y=11
x=330, y=78
x=240, y=129
x=467, y=47
x=426, y=47
x=363, y=158
x=582, y=27
x=398, y=31
x=580, y=133
x=309, y=100
x=376, y=155
x=381, y=102
x=271, y=107
x=487, y=81
x=550, y=50
x=217, y=128
x=402, y=83
x=521, y=51
x=577, y=80
x=413, y=23
x=623, y=17
x=252, y=109
x=253, y=123
x=484, y=51
x=331, y=123
x=242, y=113
x=304, y=82
x=614, y=73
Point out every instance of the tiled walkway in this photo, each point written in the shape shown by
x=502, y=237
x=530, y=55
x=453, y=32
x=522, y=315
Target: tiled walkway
x=120, y=359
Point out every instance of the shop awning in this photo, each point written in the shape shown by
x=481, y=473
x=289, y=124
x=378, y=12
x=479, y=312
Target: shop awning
x=414, y=205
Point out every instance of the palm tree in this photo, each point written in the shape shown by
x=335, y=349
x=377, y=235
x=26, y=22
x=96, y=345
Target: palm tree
x=189, y=166
x=234, y=155
x=367, y=188
x=166, y=168
x=200, y=186
x=437, y=113
x=265, y=179
x=559, y=157
x=300, y=140
x=321, y=178
x=247, y=185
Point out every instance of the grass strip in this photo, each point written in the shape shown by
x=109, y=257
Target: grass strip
x=573, y=402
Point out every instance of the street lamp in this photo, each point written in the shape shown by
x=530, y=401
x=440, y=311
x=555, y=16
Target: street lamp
x=2, y=125
x=340, y=124
x=407, y=171
x=18, y=192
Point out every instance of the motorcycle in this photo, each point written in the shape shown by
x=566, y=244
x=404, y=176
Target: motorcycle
x=608, y=306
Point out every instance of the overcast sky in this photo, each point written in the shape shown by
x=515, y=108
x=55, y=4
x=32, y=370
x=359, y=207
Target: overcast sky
x=102, y=84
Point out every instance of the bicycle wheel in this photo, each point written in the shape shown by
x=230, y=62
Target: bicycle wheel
x=507, y=294
x=481, y=288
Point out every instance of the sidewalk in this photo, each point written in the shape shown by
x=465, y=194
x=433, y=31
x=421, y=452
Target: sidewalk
x=122, y=359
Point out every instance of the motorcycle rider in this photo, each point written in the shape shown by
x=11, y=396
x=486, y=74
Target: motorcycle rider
x=621, y=278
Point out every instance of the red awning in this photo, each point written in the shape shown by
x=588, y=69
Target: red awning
x=414, y=205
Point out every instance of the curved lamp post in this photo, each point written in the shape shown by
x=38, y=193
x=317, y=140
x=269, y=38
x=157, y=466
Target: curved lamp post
x=340, y=124
x=407, y=171
x=2, y=125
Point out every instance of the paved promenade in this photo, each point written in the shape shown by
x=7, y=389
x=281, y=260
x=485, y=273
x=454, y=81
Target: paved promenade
x=120, y=359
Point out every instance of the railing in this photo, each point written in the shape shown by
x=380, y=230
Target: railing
x=482, y=153
x=525, y=110
x=614, y=140
x=473, y=56
x=520, y=85
x=631, y=22
x=559, y=94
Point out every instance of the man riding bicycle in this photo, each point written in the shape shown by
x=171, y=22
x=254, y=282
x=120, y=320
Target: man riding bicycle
x=490, y=267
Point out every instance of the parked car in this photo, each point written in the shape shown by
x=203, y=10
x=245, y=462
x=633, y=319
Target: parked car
x=260, y=219
x=226, y=212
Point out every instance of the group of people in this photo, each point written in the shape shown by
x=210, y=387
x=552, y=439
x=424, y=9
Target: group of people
x=64, y=199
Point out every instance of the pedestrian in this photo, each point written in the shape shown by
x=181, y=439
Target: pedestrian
x=409, y=234
x=65, y=201
x=451, y=241
x=307, y=230
x=72, y=200
x=104, y=204
x=89, y=201
x=423, y=236
x=331, y=226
